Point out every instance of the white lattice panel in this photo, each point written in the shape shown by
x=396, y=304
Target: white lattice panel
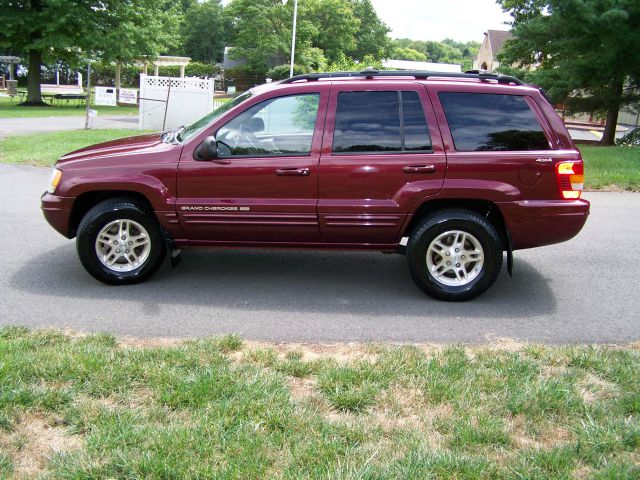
x=185, y=99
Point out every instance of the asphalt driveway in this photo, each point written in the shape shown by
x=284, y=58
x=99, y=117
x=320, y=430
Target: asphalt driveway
x=585, y=290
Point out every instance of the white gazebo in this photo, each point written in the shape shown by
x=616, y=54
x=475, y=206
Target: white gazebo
x=166, y=61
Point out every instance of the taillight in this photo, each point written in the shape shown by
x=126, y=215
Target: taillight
x=570, y=178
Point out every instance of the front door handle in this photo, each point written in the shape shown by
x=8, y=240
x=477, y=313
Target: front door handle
x=299, y=172
x=420, y=169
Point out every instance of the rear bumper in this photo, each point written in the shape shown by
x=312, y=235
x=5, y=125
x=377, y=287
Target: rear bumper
x=57, y=211
x=534, y=223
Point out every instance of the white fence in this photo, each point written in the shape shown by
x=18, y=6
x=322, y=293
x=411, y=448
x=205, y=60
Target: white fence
x=167, y=102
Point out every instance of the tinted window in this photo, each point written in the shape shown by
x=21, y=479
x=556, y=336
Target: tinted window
x=416, y=132
x=279, y=126
x=374, y=121
x=367, y=122
x=480, y=121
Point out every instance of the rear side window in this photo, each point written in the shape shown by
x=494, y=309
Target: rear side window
x=380, y=122
x=486, y=122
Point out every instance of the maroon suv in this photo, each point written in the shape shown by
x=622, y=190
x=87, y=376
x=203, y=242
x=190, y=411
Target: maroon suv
x=451, y=169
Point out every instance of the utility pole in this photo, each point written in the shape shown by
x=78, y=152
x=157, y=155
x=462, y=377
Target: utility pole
x=293, y=36
x=86, y=119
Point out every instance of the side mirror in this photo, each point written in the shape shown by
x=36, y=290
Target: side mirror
x=207, y=150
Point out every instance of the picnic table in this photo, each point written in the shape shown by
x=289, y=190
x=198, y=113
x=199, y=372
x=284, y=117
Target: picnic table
x=79, y=98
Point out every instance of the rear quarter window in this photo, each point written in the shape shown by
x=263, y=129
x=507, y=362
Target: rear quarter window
x=492, y=122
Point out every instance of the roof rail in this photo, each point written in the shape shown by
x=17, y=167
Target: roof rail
x=417, y=74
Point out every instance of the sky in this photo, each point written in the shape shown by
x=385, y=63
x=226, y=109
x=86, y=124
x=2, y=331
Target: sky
x=461, y=20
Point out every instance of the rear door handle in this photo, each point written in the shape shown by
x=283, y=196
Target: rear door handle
x=420, y=169
x=299, y=172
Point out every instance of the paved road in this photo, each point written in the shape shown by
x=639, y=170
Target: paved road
x=586, y=290
x=25, y=126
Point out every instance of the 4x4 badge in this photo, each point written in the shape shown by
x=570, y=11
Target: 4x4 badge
x=544, y=160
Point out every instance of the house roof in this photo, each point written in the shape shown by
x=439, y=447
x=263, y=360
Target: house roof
x=496, y=40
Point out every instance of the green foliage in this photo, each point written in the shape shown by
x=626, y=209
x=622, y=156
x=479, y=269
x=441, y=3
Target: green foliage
x=328, y=31
x=631, y=139
x=372, y=35
x=261, y=32
x=585, y=52
x=346, y=64
x=193, y=69
x=204, y=31
x=406, y=53
x=281, y=72
x=446, y=51
x=103, y=73
x=137, y=28
x=53, y=30
x=336, y=26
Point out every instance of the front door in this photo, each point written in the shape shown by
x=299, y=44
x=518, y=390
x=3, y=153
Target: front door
x=263, y=185
x=381, y=153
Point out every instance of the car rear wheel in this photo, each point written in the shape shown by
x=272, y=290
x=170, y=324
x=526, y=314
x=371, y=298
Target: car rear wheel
x=119, y=242
x=454, y=255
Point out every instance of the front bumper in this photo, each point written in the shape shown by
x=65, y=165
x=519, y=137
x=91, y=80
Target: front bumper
x=57, y=211
x=534, y=223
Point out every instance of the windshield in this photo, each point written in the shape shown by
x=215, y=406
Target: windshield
x=190, y=130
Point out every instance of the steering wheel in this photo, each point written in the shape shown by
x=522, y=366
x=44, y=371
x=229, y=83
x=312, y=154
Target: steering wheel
x=248, y=136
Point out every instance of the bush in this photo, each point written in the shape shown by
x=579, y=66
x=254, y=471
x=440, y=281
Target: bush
x=193, y=69
x=105, y=74
x=282, y=71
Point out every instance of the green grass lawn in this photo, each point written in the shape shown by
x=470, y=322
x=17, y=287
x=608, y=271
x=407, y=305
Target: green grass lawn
x=611, y=167
x=43, y=149
x=92, y=406
x=11, y=109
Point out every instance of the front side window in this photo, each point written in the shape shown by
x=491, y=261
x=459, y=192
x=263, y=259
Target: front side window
x=380, y=121
x=278, y=126
x=491, y=122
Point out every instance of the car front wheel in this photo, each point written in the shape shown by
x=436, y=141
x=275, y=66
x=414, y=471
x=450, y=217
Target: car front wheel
x=119, y=243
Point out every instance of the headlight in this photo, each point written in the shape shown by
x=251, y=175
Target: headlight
x=54, y=180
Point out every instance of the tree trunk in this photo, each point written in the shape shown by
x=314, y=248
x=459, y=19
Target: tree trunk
x=34, y=95
x=609, y=135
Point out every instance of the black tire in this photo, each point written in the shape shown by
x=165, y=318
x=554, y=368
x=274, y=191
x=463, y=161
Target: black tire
x=449, y=220
x=102, y=215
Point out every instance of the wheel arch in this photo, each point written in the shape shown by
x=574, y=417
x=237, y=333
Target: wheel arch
x=87, y=200
x=485, y=208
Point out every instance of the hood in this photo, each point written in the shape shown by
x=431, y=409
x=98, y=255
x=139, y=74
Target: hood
x=116, y=148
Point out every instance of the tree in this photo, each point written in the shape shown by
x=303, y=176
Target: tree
x=261, y=32
x=372, y=34
x=406, y=53
x=67, y=30
x=204, y=31
x=446, y=51
x=138, y=29
x=336, y=26
x=583, y=52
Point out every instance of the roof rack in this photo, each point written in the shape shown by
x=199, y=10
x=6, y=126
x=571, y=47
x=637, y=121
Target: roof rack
x=369, y=73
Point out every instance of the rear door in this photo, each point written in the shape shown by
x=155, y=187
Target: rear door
x=381, y=152
x=499, y=144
